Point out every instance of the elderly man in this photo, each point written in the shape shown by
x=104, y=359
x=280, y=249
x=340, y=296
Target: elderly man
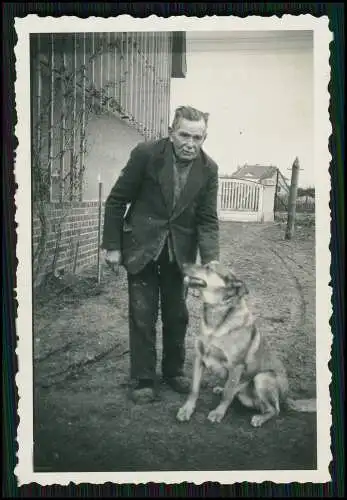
x=171, y=186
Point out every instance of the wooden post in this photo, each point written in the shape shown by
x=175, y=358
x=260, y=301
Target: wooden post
x=76, y=254
x=83, y=123
x=62, y=142
x=292, y=200
x=99, y=229
x=276, y=193
x=51, y=120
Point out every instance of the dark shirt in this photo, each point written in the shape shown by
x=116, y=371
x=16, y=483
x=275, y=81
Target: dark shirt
x=181, y=171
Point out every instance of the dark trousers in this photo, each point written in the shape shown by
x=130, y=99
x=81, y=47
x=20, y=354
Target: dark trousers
x=161, y=280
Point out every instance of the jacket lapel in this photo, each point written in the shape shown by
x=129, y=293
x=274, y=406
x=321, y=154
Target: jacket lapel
x=164, y=168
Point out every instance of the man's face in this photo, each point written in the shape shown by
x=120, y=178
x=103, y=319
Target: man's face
x=187, y=138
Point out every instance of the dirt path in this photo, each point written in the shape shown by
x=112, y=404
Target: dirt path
x=83, y=418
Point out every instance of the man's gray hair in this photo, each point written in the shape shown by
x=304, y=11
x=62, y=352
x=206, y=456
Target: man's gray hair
x=188, y=113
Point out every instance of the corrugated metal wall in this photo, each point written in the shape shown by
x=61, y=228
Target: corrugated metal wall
x=75, y=74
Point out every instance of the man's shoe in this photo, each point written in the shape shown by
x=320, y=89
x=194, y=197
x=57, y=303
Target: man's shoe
x=143, y=393
x=179, y=384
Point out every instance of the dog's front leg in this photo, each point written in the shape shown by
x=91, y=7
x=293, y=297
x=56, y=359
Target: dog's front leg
x=186, y=411
x=231, y=388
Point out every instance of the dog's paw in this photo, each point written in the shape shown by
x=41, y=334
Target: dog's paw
x=216, y=416
x=218, y=389
x=184, y=413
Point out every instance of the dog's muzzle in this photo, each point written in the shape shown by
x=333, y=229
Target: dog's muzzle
x=191, y=282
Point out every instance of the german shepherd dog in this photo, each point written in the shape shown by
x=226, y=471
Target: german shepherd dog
x=230, y=345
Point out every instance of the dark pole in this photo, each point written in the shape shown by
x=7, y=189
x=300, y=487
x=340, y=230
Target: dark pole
x=292, y=200
x=276, y=193
x=99, y=230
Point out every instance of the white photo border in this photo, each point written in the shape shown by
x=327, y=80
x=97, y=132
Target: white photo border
x=322, y=157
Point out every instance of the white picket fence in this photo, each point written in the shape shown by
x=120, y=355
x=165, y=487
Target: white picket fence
x=240, y=200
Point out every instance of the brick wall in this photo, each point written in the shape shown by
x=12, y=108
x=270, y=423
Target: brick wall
x=110, y=141
x=79, y=221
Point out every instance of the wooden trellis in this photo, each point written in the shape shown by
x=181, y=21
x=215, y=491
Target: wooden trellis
x=78, y=73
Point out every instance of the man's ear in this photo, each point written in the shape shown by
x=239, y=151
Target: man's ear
x=203, y=139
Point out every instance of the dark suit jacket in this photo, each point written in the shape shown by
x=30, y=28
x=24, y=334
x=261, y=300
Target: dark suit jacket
x=146, y=182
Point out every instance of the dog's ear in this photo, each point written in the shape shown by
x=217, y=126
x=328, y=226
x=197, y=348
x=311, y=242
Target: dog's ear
x=225, y=273
x=241, y=288
x=229, y=277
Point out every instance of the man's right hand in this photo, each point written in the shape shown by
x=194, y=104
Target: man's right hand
x=113, y=259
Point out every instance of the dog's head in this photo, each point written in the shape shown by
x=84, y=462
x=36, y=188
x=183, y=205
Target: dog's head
x=216, y=282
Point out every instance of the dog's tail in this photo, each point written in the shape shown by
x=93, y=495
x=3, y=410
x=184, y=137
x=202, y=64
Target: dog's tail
x=302, y=405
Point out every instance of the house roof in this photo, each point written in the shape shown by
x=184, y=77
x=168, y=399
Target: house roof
x=258, y=172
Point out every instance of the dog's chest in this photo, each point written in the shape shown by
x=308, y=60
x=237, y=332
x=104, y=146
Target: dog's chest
x=212, y=355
